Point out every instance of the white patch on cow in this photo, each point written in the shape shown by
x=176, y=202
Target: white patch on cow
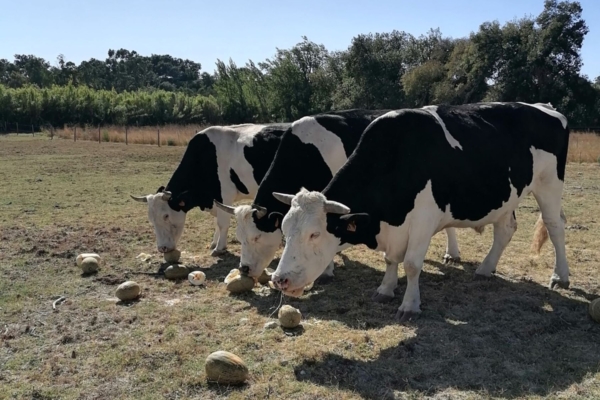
x=230, y=142
x=330, y=146
x=258, y=247
x=490, y=104
x=433, y=111
x=548, y=109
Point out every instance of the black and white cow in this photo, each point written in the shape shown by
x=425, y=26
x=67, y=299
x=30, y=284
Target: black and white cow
x=221, y=162
x=310, y=153
x=417, y=171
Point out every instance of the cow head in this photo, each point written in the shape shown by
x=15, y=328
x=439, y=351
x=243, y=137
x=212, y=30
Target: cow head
x=259, y=233
x=167, y=215
x=314, y=230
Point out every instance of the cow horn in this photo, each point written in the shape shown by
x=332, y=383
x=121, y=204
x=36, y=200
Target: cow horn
x=142, y=199
x=284, y=198
x=260, y=211
x=335, y=208
x=227, y=209
x=166, y=196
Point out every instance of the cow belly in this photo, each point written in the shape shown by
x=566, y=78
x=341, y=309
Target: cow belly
x=492, y=216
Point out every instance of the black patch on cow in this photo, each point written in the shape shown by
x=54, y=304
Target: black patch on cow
x=195, y=182
x=397, y=156
x=239, y=185
x=297, y=164
x=263, y=149
x=348, y=125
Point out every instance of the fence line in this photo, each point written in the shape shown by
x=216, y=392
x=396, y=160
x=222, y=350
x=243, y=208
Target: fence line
x=89, y=132
x=174, y=134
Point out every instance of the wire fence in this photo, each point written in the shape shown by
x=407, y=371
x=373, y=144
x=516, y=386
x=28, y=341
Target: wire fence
x=166, y=135
x=170, y=135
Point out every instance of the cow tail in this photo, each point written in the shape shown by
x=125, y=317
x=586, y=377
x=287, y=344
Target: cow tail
x=540, y=234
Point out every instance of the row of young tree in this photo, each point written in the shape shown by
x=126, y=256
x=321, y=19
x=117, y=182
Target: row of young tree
x=533, y=59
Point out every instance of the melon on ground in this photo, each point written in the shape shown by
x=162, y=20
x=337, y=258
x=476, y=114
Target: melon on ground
x=238, y=283
x=225, y=368
x=129, y=290
x=89, y=265
x=196, y=278
x=289, y=317
x=177, y=271
x=172, y=256
x=82, y=256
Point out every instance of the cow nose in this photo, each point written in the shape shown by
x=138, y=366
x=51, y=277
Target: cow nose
x=281, y=282
x=245, y=269
x=163, y=249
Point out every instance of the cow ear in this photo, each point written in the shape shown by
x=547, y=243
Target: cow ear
x=276, y=217
x=350, y=222
x=182, y=202
x=160, y=189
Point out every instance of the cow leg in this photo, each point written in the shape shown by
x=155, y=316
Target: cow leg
x=213, y=244
x=549, y=197
x=385, y=291
x=223, y=220
x=418, y=243
x=452, y=251
x=504, y=230
x=327, y=276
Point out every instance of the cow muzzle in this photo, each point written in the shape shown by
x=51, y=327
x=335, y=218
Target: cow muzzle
x=164, y=249
x=282, y=283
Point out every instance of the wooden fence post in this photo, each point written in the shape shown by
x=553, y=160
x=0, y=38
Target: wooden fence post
x=125, y=134
x=158, y=130
x=98, y=134
x=32, y=131
x=17, y=129
x=75, y=134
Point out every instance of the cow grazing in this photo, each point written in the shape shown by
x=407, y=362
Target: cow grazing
x=417, y=171
x=221, y=162
x=310, y=153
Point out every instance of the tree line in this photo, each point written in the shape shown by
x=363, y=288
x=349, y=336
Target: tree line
x=532, y=59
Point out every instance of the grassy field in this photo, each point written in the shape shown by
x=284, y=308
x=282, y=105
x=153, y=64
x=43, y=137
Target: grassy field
x=507, y=337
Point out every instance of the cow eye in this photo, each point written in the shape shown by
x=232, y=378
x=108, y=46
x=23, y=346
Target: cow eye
x=315, y=235
x=256, y=238
x=166, y=216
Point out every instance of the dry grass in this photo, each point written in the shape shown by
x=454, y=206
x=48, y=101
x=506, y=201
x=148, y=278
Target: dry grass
x=584, y=147
x=507, y=337
x=170, y=135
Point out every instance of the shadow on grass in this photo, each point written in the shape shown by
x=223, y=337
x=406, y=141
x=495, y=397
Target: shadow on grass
x=493, y=336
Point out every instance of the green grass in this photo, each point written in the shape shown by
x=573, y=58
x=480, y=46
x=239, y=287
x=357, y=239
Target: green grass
x=507, y=337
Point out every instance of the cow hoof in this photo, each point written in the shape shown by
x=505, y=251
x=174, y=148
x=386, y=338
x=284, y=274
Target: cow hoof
x=324, y=279
x=217, y=253
x=448, y=259
x=405, y=316
x=480, y=277
x=381, y=298
x=554, y=283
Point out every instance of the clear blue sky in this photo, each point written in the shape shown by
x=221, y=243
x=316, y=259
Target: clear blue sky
x=245, y=29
